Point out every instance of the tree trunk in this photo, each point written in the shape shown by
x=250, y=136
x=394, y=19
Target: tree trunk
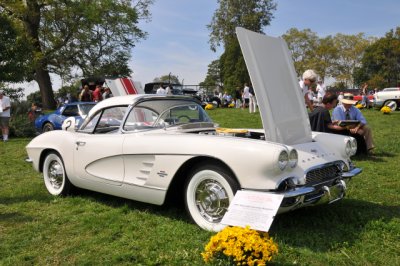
x=31, y=20
x=42, y=77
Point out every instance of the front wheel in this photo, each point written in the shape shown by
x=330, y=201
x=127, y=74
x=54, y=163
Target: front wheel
x=208, y=193
x=392, y=105
x=54, y=175
x=48, y=127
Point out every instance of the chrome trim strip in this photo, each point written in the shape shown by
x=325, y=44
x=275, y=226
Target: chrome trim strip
x=297, y=192
x=351, y=173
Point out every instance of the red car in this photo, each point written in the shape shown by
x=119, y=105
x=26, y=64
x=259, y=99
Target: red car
x=358, y=98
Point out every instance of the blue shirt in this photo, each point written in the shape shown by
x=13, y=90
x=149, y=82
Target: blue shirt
x=339, y=113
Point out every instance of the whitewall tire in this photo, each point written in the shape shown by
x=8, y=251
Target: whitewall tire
x=54, y=175
x=392, y=105
x=208, y=192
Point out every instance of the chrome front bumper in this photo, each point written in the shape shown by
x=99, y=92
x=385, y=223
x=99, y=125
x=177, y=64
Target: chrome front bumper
x=315, y=195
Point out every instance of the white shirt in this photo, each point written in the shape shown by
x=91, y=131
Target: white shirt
x=168, y=91
x=161, y=91
x=303, y=87
x=340, y=97
x=246, y=92
x=4, y=103
x=321, y=90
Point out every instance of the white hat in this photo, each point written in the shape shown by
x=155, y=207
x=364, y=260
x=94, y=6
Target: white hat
x=348, y=99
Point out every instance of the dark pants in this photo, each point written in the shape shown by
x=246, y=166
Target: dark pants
x=361, y=145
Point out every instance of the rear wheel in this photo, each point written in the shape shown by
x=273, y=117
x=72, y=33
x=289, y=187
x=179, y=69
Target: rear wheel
x=391, y=104
x=54, y=175
x=48, y=127
x=208, y=193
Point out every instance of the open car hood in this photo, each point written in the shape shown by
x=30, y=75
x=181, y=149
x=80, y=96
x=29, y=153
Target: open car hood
x=282, y=108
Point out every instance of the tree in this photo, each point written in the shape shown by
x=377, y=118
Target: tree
x=380, y=64
x=14, y=94
x=14, y=59
x=325, y=57
x=336, y=56
x=251, y=14
x=350, y=52
x=213, y=77
x=302, y=45
x=68, y=34
x=170, y=78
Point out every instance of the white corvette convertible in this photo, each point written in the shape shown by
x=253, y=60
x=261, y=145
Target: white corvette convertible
x=142, y=147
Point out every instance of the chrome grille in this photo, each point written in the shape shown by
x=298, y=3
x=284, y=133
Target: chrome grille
x=322, y=174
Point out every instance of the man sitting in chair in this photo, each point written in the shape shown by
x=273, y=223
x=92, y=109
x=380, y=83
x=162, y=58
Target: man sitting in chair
x=347, y=111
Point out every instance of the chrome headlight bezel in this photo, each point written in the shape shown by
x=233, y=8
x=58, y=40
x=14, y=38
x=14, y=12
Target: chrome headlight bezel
x=347, y=148
x=283, y=160
x=293, y=158
x=353, y=143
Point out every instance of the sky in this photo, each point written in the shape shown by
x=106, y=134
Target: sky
x=177, y=40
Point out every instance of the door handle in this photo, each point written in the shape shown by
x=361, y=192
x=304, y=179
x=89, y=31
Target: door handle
x=79, y=143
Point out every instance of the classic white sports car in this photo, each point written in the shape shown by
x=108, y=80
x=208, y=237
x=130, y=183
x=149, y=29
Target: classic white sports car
x=142, y=147
x=388, y=97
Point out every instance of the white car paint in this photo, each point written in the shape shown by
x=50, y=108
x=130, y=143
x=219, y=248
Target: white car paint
x=147, y=155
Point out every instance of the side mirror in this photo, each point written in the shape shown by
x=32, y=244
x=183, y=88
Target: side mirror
x=69, y=124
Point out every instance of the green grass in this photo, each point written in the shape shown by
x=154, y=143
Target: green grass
x=95, y=229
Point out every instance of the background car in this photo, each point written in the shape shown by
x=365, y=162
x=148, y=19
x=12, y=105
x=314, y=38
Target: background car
x=53, y=121
x=359, y=99
x=390, y=98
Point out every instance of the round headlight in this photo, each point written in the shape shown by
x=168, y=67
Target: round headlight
x=283, y=160
x=293, y=158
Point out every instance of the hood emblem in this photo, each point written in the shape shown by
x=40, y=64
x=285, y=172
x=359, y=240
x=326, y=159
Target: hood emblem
x=314, y=151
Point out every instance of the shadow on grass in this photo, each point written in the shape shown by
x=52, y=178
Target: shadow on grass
x=171, y=209
x=377, y=157
x=15, y=217
x=322, y=227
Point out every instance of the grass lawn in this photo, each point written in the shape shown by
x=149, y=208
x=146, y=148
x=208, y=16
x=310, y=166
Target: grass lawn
x=95, y=229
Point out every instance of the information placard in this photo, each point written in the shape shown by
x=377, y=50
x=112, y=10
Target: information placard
x=255, y=209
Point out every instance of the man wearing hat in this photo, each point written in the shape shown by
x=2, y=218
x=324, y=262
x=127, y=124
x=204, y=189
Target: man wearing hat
x=4, y=114
x=347, y=111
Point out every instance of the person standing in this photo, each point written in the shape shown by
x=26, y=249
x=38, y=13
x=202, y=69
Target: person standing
x=320, y=91
x=238, y=98
x=168, y=90
x=85, y=95
x=5, y=113
x=309, y=77
x=340, y=98
x=161, y=90
x=107, y=93
x=364, y=94
x=246, y=95
x=252, y=100
x=97, y=94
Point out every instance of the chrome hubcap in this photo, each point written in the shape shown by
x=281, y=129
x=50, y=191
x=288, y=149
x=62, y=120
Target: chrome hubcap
x=56, y=174
x=392, y=105
x=212, y=200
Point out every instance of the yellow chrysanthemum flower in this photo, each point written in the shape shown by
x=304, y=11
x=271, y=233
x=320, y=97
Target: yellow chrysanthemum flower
x=242, y=246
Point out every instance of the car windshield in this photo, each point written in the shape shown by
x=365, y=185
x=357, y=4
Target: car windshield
x=85, y=108
x=183, y=114
x=164, y=113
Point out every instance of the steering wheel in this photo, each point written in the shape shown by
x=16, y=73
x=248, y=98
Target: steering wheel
x=183, y=116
